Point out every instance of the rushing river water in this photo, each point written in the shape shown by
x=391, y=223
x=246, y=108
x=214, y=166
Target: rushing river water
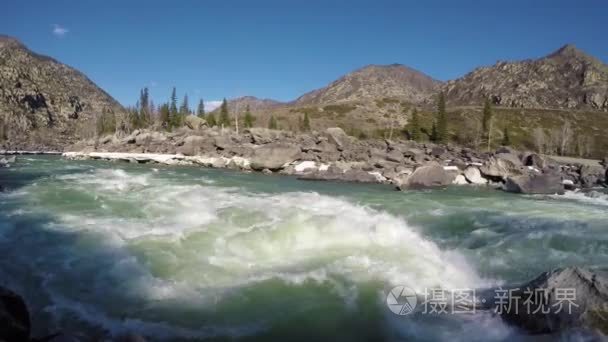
x=184, y=253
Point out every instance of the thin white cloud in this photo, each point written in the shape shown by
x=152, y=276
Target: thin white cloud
x=59, y=31
x=211, y=105
x=153, y=83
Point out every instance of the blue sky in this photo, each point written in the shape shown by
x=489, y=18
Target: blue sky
x=281, y=49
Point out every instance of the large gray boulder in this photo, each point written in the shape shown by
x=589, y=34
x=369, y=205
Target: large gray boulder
x=261, y=135
x=502, y=165
x=194, y=122
x=14, y=317
x=428, y=176
x=588, y=295
x=194, y=145
x=274, y=156
x=337, y=136
x=147, y=138
x=591, y=175
x=535, y=184
x=473, y=175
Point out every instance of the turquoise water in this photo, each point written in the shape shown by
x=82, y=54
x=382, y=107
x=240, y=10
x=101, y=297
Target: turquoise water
x=184, y=253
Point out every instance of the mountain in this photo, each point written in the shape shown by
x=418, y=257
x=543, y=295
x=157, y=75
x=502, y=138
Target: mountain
x=40, y=94
x=375, y=82
x=565, y=79
x=255, y=104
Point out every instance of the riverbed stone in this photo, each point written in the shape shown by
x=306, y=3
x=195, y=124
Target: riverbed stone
x=473, y=175
x=535, y=184
x=430, y=175
x=274, y=156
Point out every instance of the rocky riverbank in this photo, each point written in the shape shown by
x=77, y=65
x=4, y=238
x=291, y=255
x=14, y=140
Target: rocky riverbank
x=333, y=155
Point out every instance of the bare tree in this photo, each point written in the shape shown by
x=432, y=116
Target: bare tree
x=565, y=137
x=539, y=139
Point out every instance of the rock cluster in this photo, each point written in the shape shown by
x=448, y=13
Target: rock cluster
x=333, y=155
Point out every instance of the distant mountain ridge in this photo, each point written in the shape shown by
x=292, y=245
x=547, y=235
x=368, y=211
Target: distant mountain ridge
x=565, y=79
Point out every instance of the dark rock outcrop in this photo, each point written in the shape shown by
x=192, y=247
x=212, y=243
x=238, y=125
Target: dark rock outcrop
x=586, y=304
x=14, y=317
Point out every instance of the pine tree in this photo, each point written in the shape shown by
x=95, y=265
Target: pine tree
x=165, y=116
x=200, y=112
x=173, y=104
x=145, y=118
x=184, y=109
x=248, y=120
x=415, y=126
x=442, y=120
x=211, y=119
x=272, y=123
x=506, y=139
x=224, y=116
x=306, y=122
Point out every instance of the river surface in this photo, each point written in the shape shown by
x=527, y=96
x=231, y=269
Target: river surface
x=185, y=253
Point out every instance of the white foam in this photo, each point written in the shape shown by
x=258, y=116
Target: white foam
x=595, y=197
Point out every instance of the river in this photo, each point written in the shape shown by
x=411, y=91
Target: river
x=184, y=253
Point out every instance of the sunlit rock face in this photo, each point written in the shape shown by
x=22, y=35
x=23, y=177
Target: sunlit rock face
x=567, y=78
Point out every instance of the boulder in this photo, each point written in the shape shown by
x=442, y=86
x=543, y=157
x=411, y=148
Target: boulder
x=261, y=136
x=337, y=136
x=438, y=151
x=222, y=142
x=131, y=138
x=430, y=175
x=194, y=122
x=502, y=166
x=588, y=297
x=473, y=175
x=14, y=317
x=192, y=145
x=591, y=175
x=540, y=162
x=535, y=184
x=274, y=156
x=460, y=180
x=145, y=139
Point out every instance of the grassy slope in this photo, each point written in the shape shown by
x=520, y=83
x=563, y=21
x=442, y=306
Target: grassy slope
x=373, y=120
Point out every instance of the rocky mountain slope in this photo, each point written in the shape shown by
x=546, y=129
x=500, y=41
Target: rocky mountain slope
x=255, y=104
x=375, y=82
x=38, y=93
x=565, y=79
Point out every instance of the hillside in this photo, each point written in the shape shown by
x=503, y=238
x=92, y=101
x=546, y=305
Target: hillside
x=374, y=82
x=565, y=79
x=43, y=99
